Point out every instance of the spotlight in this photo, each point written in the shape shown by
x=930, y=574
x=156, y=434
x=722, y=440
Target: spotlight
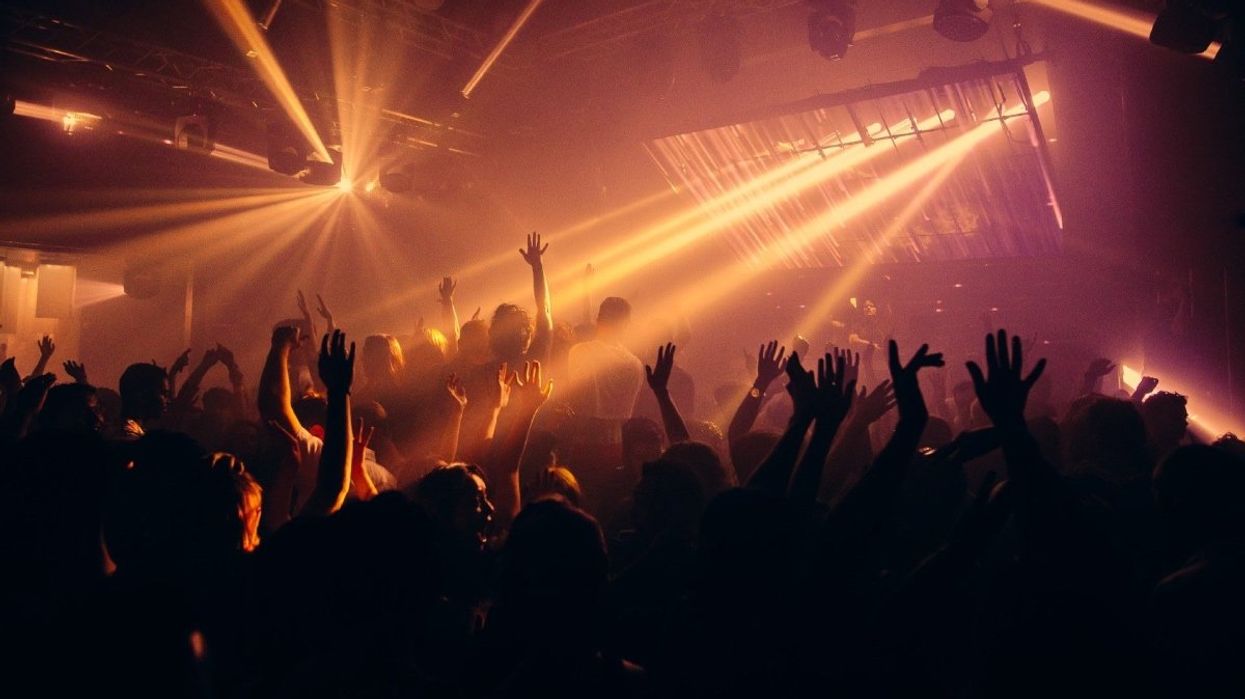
x=831, y=26
x=325, y=174
x=1187, y=26
x=962, y=20
x=287, y=151
x=194, y=132
x=396, y=181
x=345, y=185
x=75, y=122
x=720, y=53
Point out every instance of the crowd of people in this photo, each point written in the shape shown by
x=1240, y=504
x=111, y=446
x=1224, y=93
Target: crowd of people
x=438, y=519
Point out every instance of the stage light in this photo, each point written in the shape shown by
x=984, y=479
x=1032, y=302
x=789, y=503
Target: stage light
x=396, y=181
x=322, y=173
x=287, y=152
x=345, y=185
x=831, y=26
x=194, y=132
x=720, y=53
x=505, y=40
x=76, y=122
x=962, y=20
x=1185, y=27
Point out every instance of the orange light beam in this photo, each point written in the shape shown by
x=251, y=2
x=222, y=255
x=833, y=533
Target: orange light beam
x=235, y=18
x=493, y=55
x=846, y=283
x=847, y=158
x=1207, y=423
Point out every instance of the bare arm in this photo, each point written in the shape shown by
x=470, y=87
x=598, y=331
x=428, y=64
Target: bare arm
x=454, y=421
x=333, y=474
x=542, y=339
x=528, y=395
x=658, y=381
x=274, y=397
x=771, y=361
x=449, y=314
x=774, y=473
x=836, y=388
x=46, y=348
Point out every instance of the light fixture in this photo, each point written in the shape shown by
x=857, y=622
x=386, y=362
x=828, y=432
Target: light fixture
x=1187, y=26
x=194, y=132
x=324, y=174
x=962, y=20
x=831, y=26
x=287, y=151
x=396, y=181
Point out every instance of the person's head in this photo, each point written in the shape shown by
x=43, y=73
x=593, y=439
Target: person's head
x=1167, y=418
x=642, y=441
x=510, y=332
x=73, y=408
x=1106, y=437
x=218, y=402
x=704, y=462
x=868, y=308
x=382, y=359
x=750, y=449
x=613, y=317
x=145, y=392
x=311, y=411
x=552, y=573
x=109, y=405
x=555, y=481
x=473, y=342
x=455, y=497
x=425, y=352
x=178, y=505
x=1197, y=488
x=668, y=500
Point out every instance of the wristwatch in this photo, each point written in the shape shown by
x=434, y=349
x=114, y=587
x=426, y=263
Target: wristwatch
x=755, y=392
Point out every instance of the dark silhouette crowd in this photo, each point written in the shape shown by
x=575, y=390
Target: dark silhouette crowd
x=430, y=517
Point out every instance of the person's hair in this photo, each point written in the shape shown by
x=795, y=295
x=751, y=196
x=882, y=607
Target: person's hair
x=440, y=491
x=230, y=488
x=473, y=337
x=554, y=564
x=639, y=431
x=141, y=386
x=704, y=462
x=668, y=497
x=426, y=349
x=1106, y=437
x=556, y=481
x=614, y=311
x=67, y=408
x=311, y=410
x=750, y=449
x=382, y=359
x=510, y=332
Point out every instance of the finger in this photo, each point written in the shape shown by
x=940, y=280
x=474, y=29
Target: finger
x=1036, y=373
x=350, y=357
x=979, y=381
x=324, y=345
x=1004, y=355
x=892, y=351
x=992, y=356
x=648, y=373
x=1017, y=354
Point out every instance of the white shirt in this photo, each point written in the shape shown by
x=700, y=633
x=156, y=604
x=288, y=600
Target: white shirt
x=606, y=378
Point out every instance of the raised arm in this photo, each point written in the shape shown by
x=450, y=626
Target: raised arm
x=46, y=348
x=1091, y=380
x=323, y=309
x=274, y=397
x=852, y=452
x=868, y=501
x=190, y=389
x=176, y=368
x=336, y=367
x=449, y=315
x=771, y=361
x=658, y=381
x=528, y=394
x=454, y=421
x=237, y=381
x=542, y=339
x=76, y=371
x=774, y=473
x=836, y=387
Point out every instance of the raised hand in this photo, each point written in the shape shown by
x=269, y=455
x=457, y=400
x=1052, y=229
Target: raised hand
x=1099, y=368
x=285, y=336
x=1003, y=391
x=336, y=364
x=454, y=386
x=851, y=373
x=532, y=255
x=323, y=309
x=872, y=405
x=445, y=290
x=75, y=371
x=505, y=381
x=182, y=361
x=302, y=305
x=659, y=378
x=834, y=392
x=476, y=315
x=46, y=347
x=771, y=362
x=530, y=391
x=802, y=386
x=904, y=378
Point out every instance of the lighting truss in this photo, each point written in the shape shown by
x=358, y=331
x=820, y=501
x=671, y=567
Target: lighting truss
x=1000, y=203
